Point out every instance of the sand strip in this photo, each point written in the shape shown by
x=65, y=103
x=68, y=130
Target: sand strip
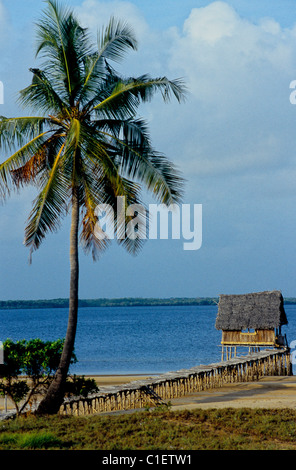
x=268, y=392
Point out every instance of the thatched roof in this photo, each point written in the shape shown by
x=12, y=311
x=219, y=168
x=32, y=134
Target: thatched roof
x=260, y=310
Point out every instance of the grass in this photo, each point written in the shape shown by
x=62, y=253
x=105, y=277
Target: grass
x=30, y=441
x=224, y=429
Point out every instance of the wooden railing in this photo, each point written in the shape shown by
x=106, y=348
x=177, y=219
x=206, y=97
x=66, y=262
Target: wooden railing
x=165, y=387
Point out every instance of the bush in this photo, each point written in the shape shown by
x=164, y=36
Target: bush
x=37, y=360
x=80, y=386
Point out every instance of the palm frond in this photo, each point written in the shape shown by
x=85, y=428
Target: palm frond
x=91, y=139
x=66, y=43
x=41, y=94
x=115, y=40
x=156, y=172
x=96, y=150
x=131, y=229
x=50, y=38
x=18, y=130
x=40, y=162
x=138, y=160
x=73, y=142
x=127, y=95
x=19, y=159
x=49, y=205
x=98, y=192
x=89, y=236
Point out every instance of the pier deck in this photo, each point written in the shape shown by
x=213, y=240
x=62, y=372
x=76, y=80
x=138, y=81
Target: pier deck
x=173, y=386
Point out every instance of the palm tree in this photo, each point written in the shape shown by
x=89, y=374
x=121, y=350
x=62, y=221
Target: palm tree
x=85, y=147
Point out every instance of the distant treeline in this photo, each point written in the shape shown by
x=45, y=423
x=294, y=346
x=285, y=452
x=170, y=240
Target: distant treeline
x=290, y=301
x=123, y=302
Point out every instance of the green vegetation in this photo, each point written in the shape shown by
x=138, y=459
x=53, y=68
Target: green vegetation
x=120, y=302
x=84, y=145
x=290, y=301
x=28, y=370
x=29, y=441
x=33, y=304
x=224, y=429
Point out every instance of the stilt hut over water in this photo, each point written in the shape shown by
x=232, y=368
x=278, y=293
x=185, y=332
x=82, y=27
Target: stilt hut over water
x=251, y=320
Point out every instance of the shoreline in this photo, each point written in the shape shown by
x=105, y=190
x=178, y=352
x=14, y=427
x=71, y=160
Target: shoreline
x=116, y=379
x=270, y=392
x=148, y=374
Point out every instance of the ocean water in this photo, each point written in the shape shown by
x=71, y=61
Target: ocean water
x=130, y=340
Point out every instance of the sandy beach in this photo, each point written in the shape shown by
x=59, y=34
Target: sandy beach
x=105, y=380
x=268, y=392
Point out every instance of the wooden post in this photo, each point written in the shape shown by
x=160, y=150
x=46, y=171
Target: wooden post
x=215, y=375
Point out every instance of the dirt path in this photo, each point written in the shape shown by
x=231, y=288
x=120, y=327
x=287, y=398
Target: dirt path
x=268, y=392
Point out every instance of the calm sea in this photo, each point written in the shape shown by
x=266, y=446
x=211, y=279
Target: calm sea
x=130, y=340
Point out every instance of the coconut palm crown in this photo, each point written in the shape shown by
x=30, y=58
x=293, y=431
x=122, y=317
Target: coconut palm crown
x=85, y=147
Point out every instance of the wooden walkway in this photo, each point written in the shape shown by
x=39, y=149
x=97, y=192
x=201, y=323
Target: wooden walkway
x=160, y=390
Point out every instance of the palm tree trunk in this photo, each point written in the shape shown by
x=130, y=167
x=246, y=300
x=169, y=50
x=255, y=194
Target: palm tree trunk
x=55, y=394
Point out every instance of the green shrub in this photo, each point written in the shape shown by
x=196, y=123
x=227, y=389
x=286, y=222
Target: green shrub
x=38, y=441
x=37, y=360
x=80, y=386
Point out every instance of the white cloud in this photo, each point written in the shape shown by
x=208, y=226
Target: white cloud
x=212, y=23
x=95, y=14
x=220, y=48
x=238, y=120
x=4, y=25
x=233, y=139
x=238, y=117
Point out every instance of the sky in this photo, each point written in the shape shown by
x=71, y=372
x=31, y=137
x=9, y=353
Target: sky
x=233, y=139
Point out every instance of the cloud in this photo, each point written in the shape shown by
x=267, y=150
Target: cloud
x=94, y=14
x=219, y=51
x=212, y=23
x=233, y=140
x=238, y=117
x=237, y=121
x=149, y=57
x=4, y=25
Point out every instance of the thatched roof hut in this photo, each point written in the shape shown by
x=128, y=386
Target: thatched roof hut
x=260, y=311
